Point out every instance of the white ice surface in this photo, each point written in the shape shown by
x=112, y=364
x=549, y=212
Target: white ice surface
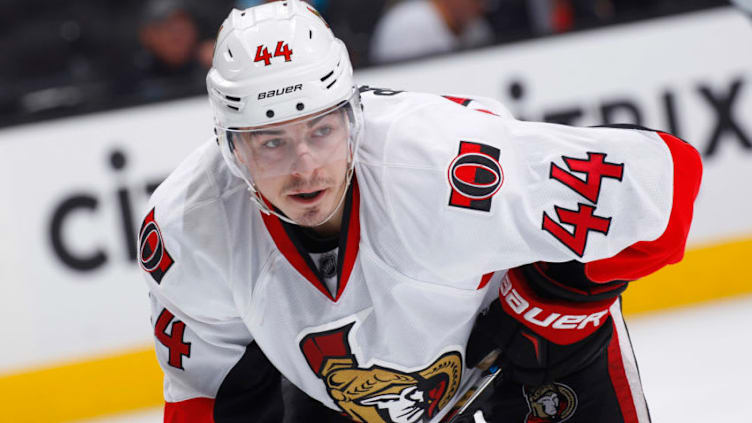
x=696, y=364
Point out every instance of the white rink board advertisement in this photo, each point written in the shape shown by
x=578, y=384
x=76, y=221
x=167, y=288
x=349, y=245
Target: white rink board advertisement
x=74, y=193
x=74, y=190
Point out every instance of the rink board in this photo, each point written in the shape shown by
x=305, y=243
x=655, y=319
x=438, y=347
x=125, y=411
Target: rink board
x=76, y=320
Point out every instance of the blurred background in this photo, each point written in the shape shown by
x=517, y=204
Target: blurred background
x=99, y=100
x=66, y=58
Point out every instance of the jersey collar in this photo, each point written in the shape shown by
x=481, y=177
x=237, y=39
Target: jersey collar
x=287, y=240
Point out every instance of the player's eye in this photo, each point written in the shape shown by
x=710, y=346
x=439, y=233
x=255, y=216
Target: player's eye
x=322, y=131
x=272, y=143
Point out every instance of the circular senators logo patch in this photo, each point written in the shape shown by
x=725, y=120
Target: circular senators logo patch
x=153, y=256
x=552, y=403
x=476, y=176
x=152, y=247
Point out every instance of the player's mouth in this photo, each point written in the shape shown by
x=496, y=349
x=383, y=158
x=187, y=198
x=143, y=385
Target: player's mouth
x=309, y=197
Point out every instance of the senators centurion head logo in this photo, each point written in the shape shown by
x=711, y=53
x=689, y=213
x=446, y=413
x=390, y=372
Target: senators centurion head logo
x=153, y=255
x=475, y=176
x=380, y=394
x=552, y=403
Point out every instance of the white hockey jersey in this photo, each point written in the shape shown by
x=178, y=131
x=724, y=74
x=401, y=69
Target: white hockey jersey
x=448, y=194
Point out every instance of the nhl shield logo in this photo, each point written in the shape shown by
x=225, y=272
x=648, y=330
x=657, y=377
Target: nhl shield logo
x=552, y=403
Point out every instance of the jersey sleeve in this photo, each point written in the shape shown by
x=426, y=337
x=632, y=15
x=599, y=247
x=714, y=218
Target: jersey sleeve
x=469, y=191
x=213, y=369
x=208, y=382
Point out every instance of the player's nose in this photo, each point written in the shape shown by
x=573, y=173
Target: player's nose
x=304, y=162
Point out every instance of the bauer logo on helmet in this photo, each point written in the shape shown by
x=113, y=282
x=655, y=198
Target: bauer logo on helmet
x=280, y=91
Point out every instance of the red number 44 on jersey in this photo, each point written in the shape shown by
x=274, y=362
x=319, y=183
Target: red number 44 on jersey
x=584, y=220
x=174, y=342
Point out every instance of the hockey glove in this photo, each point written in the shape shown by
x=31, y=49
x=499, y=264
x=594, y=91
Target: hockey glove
x=549, y=321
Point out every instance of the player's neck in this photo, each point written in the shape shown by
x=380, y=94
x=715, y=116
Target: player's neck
x=332, y=226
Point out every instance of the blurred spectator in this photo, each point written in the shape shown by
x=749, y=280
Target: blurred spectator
x=171, y=58
x=515, y=19
x=556, y=16
x=418, y=28
x=170, y=34
x=62, y=58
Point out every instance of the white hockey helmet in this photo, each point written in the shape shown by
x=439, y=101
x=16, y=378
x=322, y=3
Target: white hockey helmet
x=275, y=63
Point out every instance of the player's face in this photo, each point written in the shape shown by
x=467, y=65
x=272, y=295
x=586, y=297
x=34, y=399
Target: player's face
x=300, y=167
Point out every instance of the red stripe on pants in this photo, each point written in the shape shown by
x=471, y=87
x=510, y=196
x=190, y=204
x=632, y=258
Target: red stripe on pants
x=620, y=381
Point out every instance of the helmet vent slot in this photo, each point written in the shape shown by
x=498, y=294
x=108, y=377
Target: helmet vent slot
x=330, y=85
x=310, y=34
x=233, y=107
x=232, y=98
x=325, y=77
x=229, y=52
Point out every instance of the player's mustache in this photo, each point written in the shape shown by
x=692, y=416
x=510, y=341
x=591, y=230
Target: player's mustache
x=299, y=184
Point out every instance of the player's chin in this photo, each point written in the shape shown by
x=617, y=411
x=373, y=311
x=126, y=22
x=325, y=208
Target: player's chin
x=314, y=214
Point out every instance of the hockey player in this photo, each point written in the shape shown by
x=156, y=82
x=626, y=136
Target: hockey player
x=373, y=246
